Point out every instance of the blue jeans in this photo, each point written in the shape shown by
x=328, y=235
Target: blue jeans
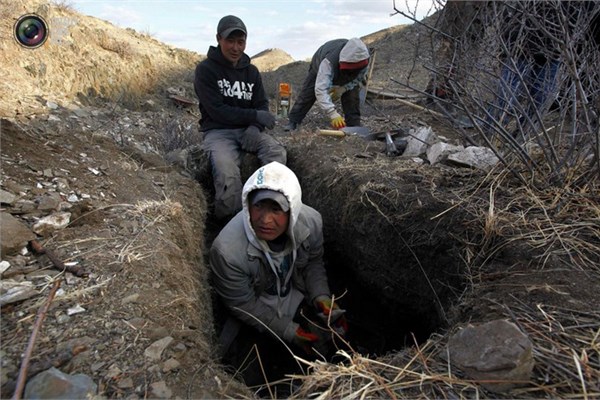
x=522, y=91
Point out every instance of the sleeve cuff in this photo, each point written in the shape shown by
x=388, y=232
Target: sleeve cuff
x=290, y=332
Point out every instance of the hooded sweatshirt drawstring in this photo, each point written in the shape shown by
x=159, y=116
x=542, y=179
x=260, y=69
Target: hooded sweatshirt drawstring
x=287, y=277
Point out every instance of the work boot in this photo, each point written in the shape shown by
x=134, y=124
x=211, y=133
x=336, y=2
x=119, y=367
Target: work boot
x=291, y=126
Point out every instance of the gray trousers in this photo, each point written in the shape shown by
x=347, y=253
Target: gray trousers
x=226, y=148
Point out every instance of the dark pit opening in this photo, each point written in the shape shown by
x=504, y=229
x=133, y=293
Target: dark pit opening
x=378, y=324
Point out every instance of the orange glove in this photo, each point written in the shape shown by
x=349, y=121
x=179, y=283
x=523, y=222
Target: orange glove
x=332, y=314
x=337, y=121
x=305, y=340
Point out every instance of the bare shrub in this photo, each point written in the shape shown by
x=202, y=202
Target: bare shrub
x=63, y=5
x=178, y=133
x=524, y=75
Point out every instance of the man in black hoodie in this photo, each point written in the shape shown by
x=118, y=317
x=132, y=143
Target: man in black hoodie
x=234, y=114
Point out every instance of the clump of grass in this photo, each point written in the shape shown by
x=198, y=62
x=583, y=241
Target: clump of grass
x=63, y=5
x=123, y=49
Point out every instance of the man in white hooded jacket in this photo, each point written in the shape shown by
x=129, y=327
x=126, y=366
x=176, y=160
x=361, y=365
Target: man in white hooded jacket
x=269, y=259
x=337, y=70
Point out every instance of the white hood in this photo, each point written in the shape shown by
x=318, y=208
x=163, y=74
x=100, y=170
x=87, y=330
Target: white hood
x=274, y=176
x=354, y=51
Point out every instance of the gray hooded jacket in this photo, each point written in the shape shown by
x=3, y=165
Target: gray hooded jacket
x=328, y=59
x=244, y=267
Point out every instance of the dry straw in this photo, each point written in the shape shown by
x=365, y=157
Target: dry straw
x=566, y=351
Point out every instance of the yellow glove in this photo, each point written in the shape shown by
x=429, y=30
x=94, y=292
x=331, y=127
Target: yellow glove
x=336, y=92
x=337, y=121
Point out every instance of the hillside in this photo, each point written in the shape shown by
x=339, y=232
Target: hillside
x=271, y=59
x=98, y=62
x=106, y=222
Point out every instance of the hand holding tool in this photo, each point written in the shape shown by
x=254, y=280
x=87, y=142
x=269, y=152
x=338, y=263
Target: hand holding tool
x=304, y=339
x=337, y=121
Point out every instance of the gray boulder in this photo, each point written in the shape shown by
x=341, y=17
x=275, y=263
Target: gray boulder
x=496, y=353
x=54, y=384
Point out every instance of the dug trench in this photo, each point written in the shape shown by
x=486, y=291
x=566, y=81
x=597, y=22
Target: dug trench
x=393, y=251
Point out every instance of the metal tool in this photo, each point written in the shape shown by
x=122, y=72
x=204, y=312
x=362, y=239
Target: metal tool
x=390, y=146
x=346, y=131
x=361, y=131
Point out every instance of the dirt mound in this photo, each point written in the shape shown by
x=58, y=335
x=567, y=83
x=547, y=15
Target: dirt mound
x=271, y=59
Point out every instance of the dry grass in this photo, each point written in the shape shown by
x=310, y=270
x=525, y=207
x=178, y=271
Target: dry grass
x=123, y=49
x=63, y=5
x=566, y=352
x=559, y=226
x=556, y=222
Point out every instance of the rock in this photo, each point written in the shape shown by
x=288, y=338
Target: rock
x=4, y=265
x=113, y=372
x=7, y=197
x=477, y=157
x=157, y=332
x=439, y=152
x=154, y=351
x=76, y=309
x=160, y=390
x=418, y=141
x=170, y=365
x=125, y=383
x=15, y=235
x=54, y=384
x=49, y=202
x=15, y=187
x=52, y=223
x=12, y=291
x=178, y=157
x=81, y=113
x=494, y=351
x=132, y=298
x=23, y=207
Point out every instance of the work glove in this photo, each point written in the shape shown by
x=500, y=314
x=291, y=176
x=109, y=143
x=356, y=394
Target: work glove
x=337, y=121
x=331, y=314
x=265, y=118
x=336, y=92
x=301, y=338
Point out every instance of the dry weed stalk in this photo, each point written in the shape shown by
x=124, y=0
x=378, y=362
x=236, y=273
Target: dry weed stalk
x=158, y=211
x=566, y=351
x=560, y=222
